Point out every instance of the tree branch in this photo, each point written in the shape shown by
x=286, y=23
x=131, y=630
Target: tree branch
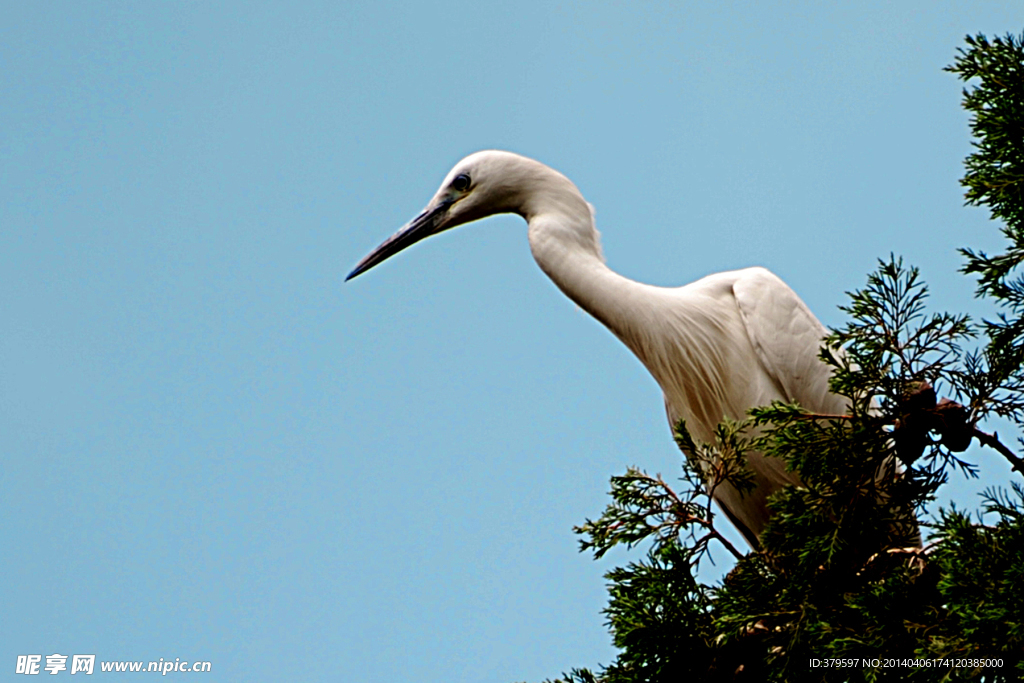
x=992, y=441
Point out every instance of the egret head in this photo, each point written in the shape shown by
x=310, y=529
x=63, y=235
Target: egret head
x=481, y=185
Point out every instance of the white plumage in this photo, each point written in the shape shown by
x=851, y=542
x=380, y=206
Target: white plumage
x=717, y=347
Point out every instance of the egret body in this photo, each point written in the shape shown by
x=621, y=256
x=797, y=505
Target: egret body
x=717, y=347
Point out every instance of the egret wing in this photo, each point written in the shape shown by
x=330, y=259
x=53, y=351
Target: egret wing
x=787, y=339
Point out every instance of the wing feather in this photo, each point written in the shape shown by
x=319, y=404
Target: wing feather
x=787, y=339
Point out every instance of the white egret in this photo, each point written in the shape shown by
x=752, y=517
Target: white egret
x=717, y=347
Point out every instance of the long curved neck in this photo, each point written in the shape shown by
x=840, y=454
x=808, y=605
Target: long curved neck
x=567, y=247
x=680, y=345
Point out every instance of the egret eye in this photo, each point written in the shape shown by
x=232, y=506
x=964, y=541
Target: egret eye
x=461, y=182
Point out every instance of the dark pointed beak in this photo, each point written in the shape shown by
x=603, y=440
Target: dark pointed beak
x=424, y=225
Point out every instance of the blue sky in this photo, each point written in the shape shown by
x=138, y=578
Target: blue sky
x=213, y=449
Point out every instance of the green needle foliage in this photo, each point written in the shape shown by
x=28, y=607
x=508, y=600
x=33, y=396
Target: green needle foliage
x=842, y=576
x=994, y=380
